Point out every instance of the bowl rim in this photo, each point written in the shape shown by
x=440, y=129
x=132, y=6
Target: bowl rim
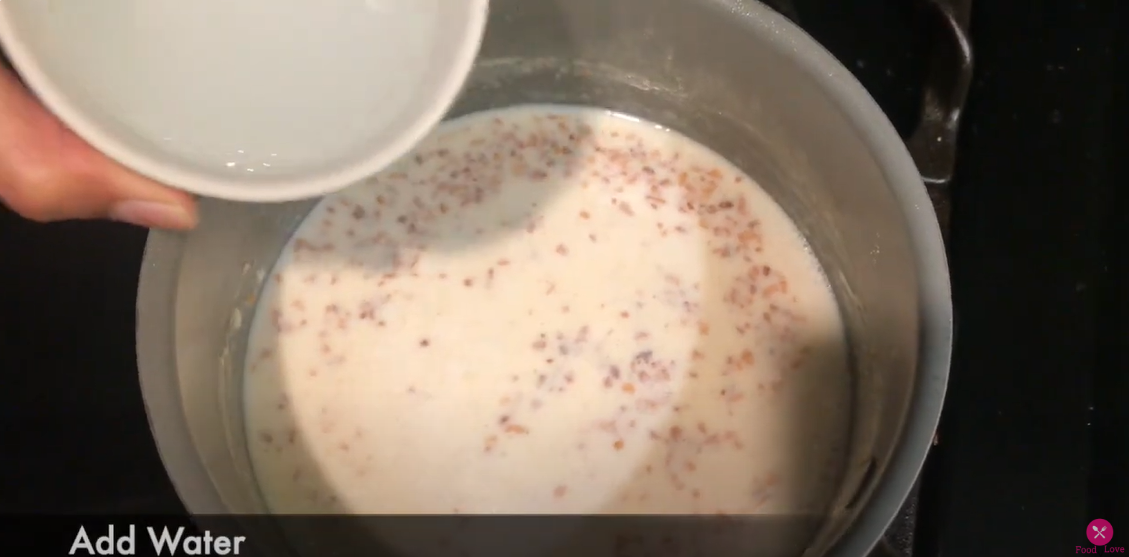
x=25, y=63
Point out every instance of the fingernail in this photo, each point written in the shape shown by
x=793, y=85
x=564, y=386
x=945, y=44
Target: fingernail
x=152, y=214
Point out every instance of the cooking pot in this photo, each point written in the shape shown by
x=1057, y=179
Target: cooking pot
x=733, y=75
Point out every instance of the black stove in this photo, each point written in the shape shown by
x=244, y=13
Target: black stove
x=1033, y=442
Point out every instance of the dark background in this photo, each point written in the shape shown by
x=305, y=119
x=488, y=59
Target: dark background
x=1034, y=442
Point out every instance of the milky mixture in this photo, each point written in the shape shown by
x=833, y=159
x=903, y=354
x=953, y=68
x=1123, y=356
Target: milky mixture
x=548, y=310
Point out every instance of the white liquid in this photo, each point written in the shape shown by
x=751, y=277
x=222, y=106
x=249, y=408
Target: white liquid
x=236, y=86
x=548, y=310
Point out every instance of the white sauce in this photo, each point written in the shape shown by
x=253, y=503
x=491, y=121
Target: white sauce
x=548, y=310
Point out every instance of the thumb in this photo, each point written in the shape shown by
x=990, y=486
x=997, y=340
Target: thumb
x=47, y=173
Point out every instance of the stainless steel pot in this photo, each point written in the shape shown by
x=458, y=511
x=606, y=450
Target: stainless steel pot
x=734, y=75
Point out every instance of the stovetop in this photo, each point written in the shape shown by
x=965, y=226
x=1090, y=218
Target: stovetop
x=1033, y=441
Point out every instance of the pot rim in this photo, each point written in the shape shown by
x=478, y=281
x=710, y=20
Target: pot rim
x=935, y=310
x=156, y=348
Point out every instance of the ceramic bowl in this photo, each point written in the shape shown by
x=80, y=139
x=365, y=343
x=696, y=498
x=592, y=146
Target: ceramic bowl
x=254, y=100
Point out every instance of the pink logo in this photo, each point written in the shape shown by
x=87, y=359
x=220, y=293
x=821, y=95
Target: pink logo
x=1099, y=532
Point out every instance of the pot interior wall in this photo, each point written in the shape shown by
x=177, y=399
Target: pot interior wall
x=696, y=66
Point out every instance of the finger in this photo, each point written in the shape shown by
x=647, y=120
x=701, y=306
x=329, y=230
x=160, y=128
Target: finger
x=138, y=200
x=47, y=173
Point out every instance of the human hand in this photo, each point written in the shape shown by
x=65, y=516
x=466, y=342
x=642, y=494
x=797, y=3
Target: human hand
x=47, y=173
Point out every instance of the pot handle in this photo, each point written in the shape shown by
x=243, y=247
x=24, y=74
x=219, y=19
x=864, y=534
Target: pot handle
x=933, y=144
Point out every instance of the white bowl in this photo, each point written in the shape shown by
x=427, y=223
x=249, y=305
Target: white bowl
x=247, y=100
